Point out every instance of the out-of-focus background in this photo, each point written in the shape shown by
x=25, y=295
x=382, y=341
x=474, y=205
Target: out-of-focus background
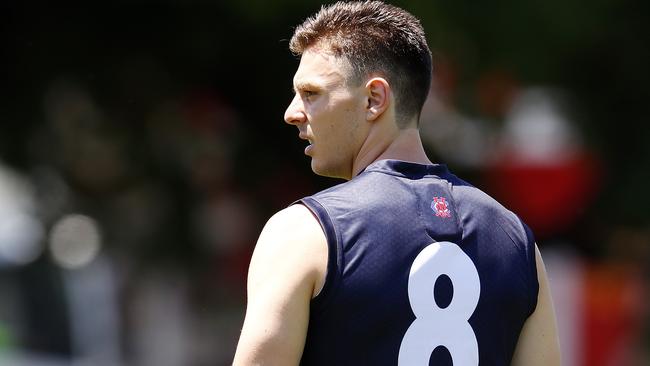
x=142, y=148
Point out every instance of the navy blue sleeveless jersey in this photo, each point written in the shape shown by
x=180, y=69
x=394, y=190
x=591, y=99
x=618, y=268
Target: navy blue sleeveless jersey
x=423, y=269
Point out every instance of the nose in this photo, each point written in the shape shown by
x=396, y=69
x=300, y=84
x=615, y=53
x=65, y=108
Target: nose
x=295, y=113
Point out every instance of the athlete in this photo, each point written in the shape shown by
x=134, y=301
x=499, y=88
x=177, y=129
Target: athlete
x=404, y=263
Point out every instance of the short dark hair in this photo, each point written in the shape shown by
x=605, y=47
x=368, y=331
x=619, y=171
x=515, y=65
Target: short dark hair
x=375, y=38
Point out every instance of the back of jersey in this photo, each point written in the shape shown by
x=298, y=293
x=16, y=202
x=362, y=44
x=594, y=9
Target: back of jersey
x=423, y=269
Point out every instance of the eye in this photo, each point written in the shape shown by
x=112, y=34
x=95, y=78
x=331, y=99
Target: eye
x=308, y=93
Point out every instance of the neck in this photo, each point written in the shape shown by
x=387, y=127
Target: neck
x=404, y=145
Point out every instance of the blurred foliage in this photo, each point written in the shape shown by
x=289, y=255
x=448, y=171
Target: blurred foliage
x=133, y=55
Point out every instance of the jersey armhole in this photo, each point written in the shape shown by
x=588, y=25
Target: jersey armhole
x=530, y=252
x=334, y=257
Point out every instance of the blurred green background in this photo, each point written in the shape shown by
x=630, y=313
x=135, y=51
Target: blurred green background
x=142, y=148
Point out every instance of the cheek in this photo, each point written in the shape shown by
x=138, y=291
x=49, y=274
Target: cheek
x=337, y=125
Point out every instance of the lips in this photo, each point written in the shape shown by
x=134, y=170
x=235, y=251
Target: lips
x=311, y=143
x=304, y=137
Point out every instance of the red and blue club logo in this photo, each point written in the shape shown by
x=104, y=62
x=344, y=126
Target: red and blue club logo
x=439, y=206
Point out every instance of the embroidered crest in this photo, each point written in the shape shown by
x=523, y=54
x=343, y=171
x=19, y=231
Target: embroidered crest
x=439, y=206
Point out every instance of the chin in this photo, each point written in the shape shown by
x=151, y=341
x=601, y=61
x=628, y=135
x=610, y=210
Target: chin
x=325, y=170
x=317, y=168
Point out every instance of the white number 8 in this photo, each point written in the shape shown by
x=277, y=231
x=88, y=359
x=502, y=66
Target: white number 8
x=435, y=326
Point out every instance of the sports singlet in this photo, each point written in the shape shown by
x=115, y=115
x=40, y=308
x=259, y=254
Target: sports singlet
x=423, y=269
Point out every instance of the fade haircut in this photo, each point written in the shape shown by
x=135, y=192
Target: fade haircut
x=375, y=38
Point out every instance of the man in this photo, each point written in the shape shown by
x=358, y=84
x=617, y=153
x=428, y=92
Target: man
x=403, y=264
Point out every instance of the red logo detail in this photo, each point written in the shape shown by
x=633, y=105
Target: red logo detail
x=439, y=206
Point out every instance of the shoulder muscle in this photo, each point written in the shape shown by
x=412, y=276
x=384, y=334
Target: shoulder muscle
x=291, y=240
x=284, y=273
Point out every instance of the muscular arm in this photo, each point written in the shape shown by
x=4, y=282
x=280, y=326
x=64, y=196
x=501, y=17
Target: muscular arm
x=538, y=343
x=287, y=269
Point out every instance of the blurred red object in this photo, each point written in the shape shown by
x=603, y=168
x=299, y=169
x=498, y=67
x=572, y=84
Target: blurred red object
x=549, y=196
x=613, y=298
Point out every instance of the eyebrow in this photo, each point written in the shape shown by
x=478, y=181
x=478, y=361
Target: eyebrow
x=302, y=85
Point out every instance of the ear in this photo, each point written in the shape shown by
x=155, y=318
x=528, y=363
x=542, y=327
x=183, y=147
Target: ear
x=378, y=94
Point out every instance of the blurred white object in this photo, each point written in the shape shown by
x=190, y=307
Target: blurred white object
x=21, y=232
x=75, y=241
x=537, y=128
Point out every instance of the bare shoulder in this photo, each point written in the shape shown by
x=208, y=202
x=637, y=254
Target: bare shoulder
x=293, y=240
x=287, y=266
x=296, y=217
x=293, y=228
